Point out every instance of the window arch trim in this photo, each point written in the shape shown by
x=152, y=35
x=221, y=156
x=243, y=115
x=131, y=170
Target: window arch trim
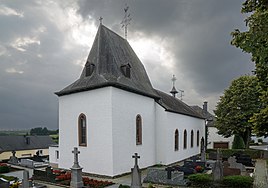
x=185, y=139
x=82, y=130
x=138, y=130
x=176, y=140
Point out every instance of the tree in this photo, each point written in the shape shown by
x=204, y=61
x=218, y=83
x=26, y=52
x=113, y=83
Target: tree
x=255, y=42
x=238, y=142
x=235, y=108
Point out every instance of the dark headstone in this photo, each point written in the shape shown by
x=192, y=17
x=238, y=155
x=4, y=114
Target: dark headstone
x=227, y=171
x=159, y=176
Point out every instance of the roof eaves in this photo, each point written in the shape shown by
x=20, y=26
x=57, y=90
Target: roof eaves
x=107, y=84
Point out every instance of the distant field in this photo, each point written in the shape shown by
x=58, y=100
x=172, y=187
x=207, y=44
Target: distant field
x=16, y=132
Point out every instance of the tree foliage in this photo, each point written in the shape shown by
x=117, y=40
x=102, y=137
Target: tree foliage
x=236, y=107
x=42, y=131
x=255, y=42
x=238, y=142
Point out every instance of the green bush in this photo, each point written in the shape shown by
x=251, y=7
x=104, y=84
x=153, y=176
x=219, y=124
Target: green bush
x=4, y=169
x=8, y=178
x=123, y=186
x=226, y=153
x=238, y=142
x=200, y=180
x=238, y=181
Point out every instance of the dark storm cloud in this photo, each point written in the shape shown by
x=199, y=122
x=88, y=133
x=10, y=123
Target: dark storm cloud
x=199, y=35
x=33, y=66
x=35, y=62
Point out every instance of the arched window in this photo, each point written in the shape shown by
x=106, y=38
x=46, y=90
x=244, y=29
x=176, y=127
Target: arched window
x=185, y=139
x=176, y=148
x=197, y=138
x=82, y=130
x=192, y=138
x=138, y=130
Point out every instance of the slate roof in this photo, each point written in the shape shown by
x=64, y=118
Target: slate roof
x=208, y=116
x=108, y=54
x=175, y=105
x=10, y=143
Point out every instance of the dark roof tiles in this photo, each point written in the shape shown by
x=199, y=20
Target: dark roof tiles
x=108, y=54
x=173, y=104
x=16, y=143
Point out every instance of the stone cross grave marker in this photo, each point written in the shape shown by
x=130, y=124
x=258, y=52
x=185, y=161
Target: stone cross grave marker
x=25, y=181
x=234, y=164
x=217, y=168
x=136, y=173
x=76, y=170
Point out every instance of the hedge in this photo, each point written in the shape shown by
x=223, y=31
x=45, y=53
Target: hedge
x=238, y=181
x=226, y=153
x=200, y=180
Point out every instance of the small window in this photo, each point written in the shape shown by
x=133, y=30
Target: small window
x=197, y=138
x=82, y=130
x=125, y=69
x=57, y=154
x=138, y=130
x=192, y=138
x=89, y=69
x=176, y=148
x=185, y=139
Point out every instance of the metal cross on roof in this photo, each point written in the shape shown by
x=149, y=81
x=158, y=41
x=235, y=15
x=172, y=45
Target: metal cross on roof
x=126, y=20
x=173, y=80
x=101, y=18
x=136, y=157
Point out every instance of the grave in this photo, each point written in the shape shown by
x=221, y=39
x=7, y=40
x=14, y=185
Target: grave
x=217, y=170
x=227, y=171
x=13, y=159
x=136, y=173
x=234, y=164
x=165, y=177
x=76, y=180
x=4, y=183
x=244, y=159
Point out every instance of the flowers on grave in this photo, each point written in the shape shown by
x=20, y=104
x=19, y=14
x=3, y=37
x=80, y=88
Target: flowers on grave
x=3, y=164
x=58, y=172
x=95, y=183
x=64, y=176
x=199, y=169
x=4, y=168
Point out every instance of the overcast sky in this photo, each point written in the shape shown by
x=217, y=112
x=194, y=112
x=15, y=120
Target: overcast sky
x=44, y=45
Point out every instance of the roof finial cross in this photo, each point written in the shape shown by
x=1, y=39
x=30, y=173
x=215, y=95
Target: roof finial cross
x=126, y=20
x=101, y=18
x=173, y=80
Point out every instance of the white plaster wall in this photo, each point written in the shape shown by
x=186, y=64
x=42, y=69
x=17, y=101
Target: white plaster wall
x=52, y=154
x=213, y=136
x=96, y=157
x=167, y=123
x=125, y=107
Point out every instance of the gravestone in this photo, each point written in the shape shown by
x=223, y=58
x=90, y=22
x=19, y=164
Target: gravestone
x=76, y=170
x=160, y=176
x=227, y=171
x=27, y=163
x=136, y=173
x=203, y=150
x=25, y=181
x=234, y=164
x=13, y=159
x=217, y=170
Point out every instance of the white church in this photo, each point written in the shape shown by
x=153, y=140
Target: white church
x=112, y=111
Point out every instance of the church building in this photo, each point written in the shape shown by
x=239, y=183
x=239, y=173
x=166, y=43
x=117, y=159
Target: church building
x=112, y=111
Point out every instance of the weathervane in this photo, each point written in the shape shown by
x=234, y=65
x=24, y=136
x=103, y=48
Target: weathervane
x=126, y=20
x=174, y=90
